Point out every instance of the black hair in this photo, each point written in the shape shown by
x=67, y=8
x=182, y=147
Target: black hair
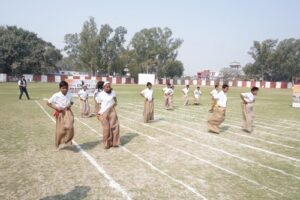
x=63, y=83
x=254, y=89
x=148, y=83
x=217, y=85
x=99, y=85
x=198, y=87
x=225, y=86
x=187, y=85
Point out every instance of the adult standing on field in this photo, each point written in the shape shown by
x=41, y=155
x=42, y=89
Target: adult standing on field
x=22, y=83
x=107, y=115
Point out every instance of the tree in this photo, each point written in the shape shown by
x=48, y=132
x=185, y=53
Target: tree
x=97, y=50
x=274, y=61
x=173, y=68
x=152, y=48
x=22, y=51
x=229, y=74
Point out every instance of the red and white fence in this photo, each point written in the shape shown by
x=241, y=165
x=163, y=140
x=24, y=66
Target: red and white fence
x=126, y=80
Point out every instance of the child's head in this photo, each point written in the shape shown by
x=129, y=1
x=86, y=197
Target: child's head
x=217, y=86
x=63, y=86
x=149, y=85
x=168, y=85
x=187, y=86
x=84, y=87
x=99, y=85
x=254, y=90
x=225, y=88
x=198, y=88
x=107, y=87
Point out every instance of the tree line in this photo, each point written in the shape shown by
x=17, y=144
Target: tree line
x=103, y=51
x=274, y=60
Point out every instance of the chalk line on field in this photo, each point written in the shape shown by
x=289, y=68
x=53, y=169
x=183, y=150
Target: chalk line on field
x=203, y=160
x=233, y=125
x=188, y=187
x=112, y=183
x=238, y=134
x=222, y=151
x=293, y=123
x=252, y=147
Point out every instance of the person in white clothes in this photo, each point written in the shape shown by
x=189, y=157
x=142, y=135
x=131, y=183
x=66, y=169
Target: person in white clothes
x=218, y=115
x=248, y=100
x=61, y=103
x=99, y=88
x=197, y=95
x=107, y=115
x=168, y=93
x=147, y=94
x=84, y=102
x=213, y=101
x=185, y=92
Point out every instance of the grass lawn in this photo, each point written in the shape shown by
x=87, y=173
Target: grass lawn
x=173, y=157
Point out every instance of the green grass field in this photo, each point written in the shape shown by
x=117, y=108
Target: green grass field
x=173, y=157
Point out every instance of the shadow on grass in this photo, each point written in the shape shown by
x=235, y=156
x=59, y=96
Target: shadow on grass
x=84, y=146
x=224, y=128
x=78, y=193
x=125, y=139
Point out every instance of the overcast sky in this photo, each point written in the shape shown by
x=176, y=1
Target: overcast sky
x=215, y=33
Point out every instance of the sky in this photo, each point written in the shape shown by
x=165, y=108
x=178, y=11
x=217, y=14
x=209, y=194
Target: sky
x=215, y=32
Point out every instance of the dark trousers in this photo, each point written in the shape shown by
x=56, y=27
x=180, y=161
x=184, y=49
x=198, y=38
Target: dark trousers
x=23, y=89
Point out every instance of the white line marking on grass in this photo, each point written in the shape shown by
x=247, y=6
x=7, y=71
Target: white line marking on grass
x=203, y=160
x=238, y=134
x=263, y=132
x=112, y=183
x=294, y=124
x=193, y=190
x=249, y=146
x=219, y=150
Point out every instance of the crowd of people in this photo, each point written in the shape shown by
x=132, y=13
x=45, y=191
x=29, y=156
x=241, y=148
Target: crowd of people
x=105, y=102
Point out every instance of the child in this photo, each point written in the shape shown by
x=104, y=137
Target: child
x=148, y=103
x=218, y=115
x=185, y=92
x=168, y=93
x=248, y=100
x=61, y=102
x=99, y=88
x=84, y=103
x=197, y=95
x=107, y=114
x=213, y=101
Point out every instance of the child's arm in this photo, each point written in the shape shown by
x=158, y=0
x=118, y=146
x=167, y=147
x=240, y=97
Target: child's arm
x=243, y=99
x=53, y=106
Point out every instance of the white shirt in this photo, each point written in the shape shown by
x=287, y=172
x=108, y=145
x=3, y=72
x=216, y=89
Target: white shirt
x=248, y=97
x=185, y=91
x=147, y=93
x=61, y=101
x=197, y=93
x=168, y=91
x=84, y=95
x=221, y=98
x=214, y=92
x=97, y=92
x=106, y=100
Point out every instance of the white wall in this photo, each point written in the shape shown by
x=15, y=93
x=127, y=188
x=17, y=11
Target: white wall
x=3, y=77
x=144, y=78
